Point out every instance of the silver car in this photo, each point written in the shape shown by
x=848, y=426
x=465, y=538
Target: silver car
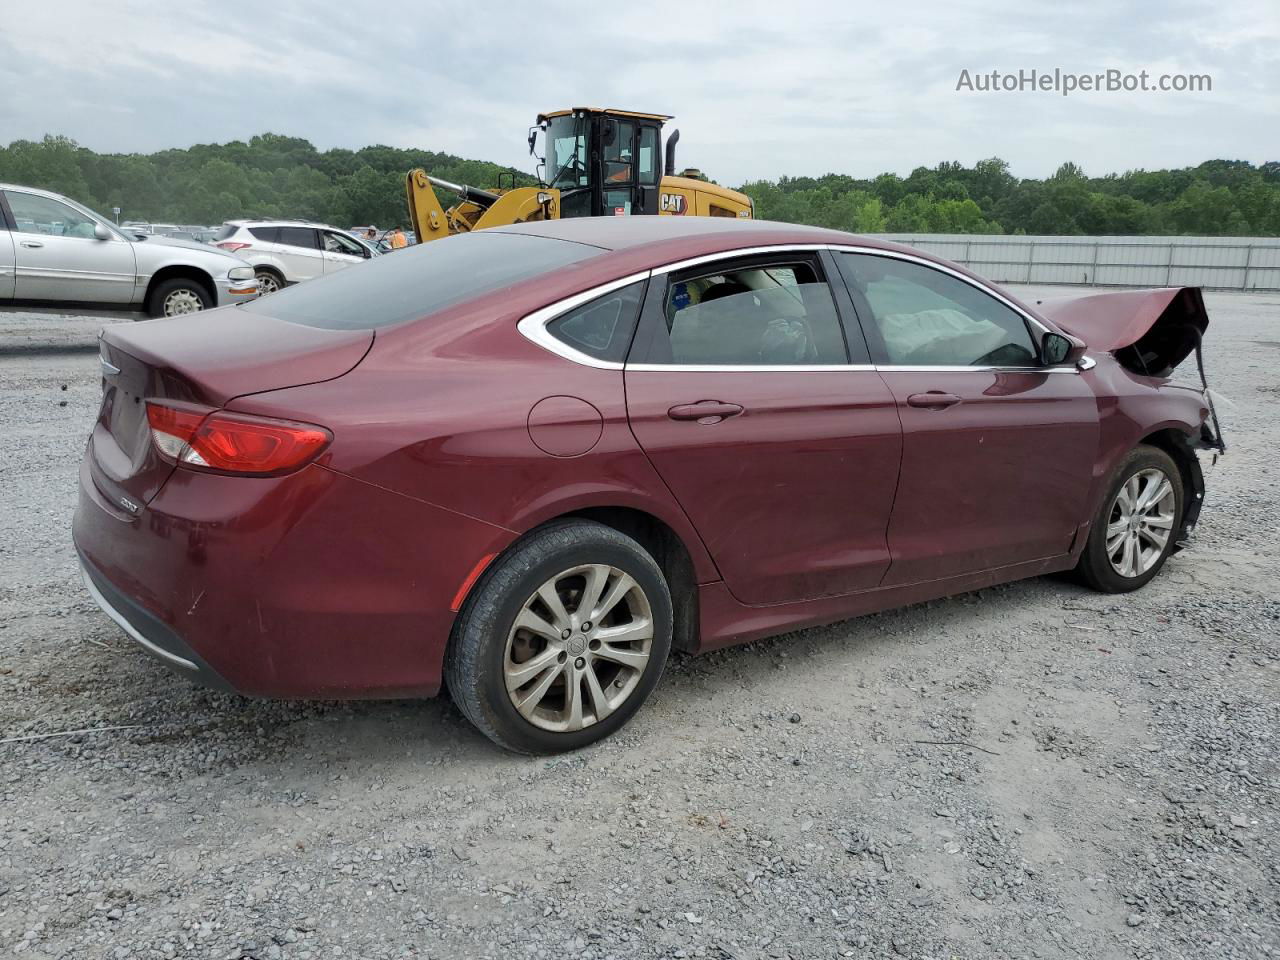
x=56, y=252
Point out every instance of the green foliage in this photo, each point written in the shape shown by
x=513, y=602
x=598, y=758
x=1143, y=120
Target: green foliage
x=278, y=176
x=270, y=176
x=1217, y=198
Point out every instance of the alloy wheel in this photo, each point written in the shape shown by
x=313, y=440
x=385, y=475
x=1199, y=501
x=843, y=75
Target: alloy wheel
x=578, y=647
x=182, y=301
x=267, y=283
x=1140, y=522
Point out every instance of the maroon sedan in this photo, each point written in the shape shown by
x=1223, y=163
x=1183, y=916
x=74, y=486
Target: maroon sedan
x=527, y=462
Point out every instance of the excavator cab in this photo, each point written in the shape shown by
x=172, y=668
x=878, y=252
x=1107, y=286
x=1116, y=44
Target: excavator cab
x=603, y=162
x=594, y=163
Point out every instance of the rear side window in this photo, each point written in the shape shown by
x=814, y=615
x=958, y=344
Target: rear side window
x=774, y=314
x=603, y=327
x=298, y=237
x=421, y=280
x=266, y=234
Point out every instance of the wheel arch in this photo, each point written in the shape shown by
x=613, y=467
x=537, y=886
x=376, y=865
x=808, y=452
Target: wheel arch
x=1179, y=442
x=672, y=555
x=658, y=537
x=181, y=271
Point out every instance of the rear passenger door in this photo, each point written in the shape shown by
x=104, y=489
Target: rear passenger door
x=779, y=441
x=998, y=448
x=300, y=252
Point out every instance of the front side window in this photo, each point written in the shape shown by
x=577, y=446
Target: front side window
x=337, y=243
x=779, y=314
x=925, y=317
x=47, y=217
x=566, y=146
x=603, y=327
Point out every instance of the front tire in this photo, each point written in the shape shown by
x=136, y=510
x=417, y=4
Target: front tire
x=562, y=639
x=1134, y=530
x=178, y=296
x=268, y=281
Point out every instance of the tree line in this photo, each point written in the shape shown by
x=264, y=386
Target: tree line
x=278, y=176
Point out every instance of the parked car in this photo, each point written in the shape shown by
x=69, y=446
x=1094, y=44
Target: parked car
x=290, y=251
x=813, y=426
x=56, y=252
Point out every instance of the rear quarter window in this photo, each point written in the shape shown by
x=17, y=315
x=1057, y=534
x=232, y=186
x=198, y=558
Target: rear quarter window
x=421, y=280
x=224, y=231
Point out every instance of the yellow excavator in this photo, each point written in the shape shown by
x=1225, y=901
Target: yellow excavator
x=595, y=162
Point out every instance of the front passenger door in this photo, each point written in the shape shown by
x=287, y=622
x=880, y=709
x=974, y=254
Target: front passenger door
x=998, y=449
x=782, y=450
x=58, y=258
x=341, y=251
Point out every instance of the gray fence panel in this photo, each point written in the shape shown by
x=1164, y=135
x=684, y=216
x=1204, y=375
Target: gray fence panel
x=1221, y=263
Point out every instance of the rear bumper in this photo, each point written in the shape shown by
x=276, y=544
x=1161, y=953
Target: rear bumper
x=148, y=631
x=310, y=585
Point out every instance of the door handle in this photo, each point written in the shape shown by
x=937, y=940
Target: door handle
x=933, y=400
x=31, y=244
x=705, y=411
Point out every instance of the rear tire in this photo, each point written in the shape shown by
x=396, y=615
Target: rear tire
x=1136, y=525
x=516, y=684
x=178, y=296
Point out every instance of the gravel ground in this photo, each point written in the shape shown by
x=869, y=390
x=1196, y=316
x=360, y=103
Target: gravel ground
x=1113, y=793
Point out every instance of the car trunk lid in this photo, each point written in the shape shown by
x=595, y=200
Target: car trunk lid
x=207, y=359
x=1149, y=331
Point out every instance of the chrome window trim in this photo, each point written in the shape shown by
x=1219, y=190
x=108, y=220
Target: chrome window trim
x=922, y=368
x=534, y=326
x=128, y=628
x=749, y=368
x=943, y=268
x=735, y=254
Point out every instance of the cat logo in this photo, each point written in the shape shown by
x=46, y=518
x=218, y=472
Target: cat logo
x=672, y=203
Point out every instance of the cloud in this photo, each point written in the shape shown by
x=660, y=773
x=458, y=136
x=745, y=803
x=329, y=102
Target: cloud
x=759, y=89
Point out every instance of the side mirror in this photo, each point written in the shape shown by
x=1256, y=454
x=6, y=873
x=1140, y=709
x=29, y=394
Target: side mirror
x=1058, y=350
x=100, y=232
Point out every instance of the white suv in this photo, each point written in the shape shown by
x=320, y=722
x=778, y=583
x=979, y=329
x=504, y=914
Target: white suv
x=290, y=251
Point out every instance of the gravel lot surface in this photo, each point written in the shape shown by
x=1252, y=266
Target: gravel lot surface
x=1029, y=771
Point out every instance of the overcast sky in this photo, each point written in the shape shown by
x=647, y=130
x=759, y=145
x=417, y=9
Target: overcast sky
x=758, y=89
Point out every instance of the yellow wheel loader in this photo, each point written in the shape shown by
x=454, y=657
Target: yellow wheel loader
x=596, y=163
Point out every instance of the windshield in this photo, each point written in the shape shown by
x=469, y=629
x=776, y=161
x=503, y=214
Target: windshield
x=566, y=146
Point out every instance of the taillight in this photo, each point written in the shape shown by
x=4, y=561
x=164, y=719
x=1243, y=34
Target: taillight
x=222, y=442
x=233, y=245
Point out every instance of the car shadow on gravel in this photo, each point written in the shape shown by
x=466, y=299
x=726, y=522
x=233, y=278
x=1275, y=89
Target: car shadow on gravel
x=182, y=726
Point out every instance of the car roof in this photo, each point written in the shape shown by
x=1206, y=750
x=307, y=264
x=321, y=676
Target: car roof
x=39, y=191
x=707, y=234
x=279, y=222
